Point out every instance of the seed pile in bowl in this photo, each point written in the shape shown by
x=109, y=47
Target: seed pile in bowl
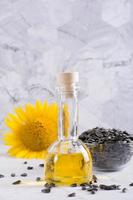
x=111, y=148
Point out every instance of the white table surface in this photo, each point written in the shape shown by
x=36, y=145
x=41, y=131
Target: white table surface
x=29, y=190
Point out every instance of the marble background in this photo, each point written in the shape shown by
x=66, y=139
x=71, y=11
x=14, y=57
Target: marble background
x=39, y=38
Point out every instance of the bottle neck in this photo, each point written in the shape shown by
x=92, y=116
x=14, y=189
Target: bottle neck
x=68, y=114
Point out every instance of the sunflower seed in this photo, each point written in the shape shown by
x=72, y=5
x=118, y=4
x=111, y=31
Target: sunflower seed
x=83, y=187
x=109, y=187
x=13, y=174
x=41, y=165
x=93, y=192
x=24, y=174
x=83, y=184
x=124, y=190
x=29, y=168
x=38, y=179
x=94, y=178
x=95, y=189
x=52, y=185
x=89, y=189
x=25, y=162
x=46, y=190
x=16, y=182
x=94, y=186
x=72, y=194
x=49, y=185
x=1, y=176
x=131, y=184
x=73, y=185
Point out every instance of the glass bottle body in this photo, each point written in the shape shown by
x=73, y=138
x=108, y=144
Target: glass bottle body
x=69, y=160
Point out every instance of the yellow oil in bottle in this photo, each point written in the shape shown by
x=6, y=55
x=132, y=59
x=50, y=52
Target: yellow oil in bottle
x=69, y=160
x=66, y=169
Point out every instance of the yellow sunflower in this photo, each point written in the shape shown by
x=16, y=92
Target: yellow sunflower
x=32, y=129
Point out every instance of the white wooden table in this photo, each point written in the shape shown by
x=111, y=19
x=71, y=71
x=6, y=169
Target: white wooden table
x=30, y=190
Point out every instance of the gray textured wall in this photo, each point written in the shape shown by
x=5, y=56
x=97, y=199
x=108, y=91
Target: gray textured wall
x=38, y=38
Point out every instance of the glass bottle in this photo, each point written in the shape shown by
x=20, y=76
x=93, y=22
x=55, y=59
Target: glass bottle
x=69, y=160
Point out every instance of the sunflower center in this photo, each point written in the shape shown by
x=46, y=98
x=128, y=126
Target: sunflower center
x=35, y=136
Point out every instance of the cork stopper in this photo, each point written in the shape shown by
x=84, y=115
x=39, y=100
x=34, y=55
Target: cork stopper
x=67, y=80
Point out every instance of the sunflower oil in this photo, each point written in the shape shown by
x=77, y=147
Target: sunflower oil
x=69, y=160
x=66, y=169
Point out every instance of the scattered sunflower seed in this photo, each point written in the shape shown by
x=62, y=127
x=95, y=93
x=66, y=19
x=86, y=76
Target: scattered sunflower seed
x=95, y=189
x=29, y=168
x=25, y=162
x=52, y=185
x=13, y=174
x=49, y=185
x=92, y=189
x=83, y=187
x=131, y=184
x=89, y=189
x=38, y=179
x=93, y=192
x=1, y=176
x=94, y=186
x=41, y=165
x=72, y=194
x=16, y=182
x=83, y=184
x=73, y=185
x=109, y=187
x=24, y=174
x=94, y=178
x=124, y=190
x=46, y=190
